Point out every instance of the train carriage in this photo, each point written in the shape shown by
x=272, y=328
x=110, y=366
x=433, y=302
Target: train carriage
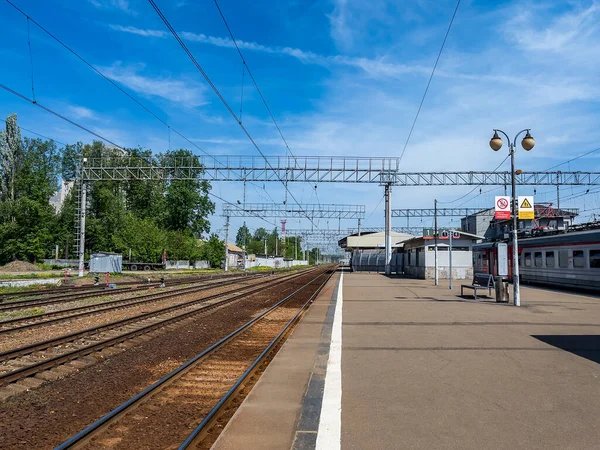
x=569, y=260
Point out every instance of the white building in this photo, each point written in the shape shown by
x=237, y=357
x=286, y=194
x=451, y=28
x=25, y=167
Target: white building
x=368, y=251
x=419, y=258
x=59, y=197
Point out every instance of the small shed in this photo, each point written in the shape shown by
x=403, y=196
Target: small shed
x=106, y=262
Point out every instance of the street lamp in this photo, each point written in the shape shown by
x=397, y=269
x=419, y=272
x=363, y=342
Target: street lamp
x=527, y=143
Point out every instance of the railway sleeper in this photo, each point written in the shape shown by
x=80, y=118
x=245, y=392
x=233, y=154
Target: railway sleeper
x=94, y=356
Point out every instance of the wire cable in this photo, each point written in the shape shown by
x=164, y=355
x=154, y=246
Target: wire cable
x=30, y=61
x=38, y=134
x=573, y=159
x=376, y=207
x=115, y=85
x=429, y=82
x=254, y=80
x=478, y=186
x=241, y=209
x=222, y=99
x=60, y=116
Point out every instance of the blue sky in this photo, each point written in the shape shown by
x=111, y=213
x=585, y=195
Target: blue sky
x=342, y=77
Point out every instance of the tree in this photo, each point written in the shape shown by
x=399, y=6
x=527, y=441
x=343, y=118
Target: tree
x=145, y=216
x=182, y=245
x=243, y=237
x=145, y=198
x=29, y=176
x=186, y=201
x=25, y=230
x=213, y=251
x=11, y=150
x=145, y=239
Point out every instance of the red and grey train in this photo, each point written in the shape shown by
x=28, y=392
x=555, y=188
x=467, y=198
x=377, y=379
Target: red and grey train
x=568, y=260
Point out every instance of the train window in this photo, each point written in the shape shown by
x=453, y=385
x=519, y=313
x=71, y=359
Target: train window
x=550, y=259
x=595, y=259
x=578, y=260
x=537, y=259
x=563, y=258
x=527, y=259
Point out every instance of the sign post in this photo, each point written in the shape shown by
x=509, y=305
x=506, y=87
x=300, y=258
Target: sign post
x=502, y=207
x=526, y=210
x=450, y=260
x=502, y=259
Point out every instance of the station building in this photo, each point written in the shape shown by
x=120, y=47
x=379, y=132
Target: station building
x=547, y=217
x=419, y=257
x=368, y=251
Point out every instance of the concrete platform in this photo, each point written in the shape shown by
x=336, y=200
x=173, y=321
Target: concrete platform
x=422, y=368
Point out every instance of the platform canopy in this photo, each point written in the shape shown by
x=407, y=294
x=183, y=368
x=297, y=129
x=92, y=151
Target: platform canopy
x=373, y=240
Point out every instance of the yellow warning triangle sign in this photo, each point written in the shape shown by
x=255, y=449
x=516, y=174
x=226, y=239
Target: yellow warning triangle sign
x=526, y=204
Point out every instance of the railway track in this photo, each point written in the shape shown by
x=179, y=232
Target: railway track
x=98, y=292
x=194, y=395
x=29, y=360
x=22, y=323
x=79, y=287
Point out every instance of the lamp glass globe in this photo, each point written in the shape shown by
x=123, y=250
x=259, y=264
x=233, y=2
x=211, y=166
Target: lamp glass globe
x=528, y=143
x=496, y=143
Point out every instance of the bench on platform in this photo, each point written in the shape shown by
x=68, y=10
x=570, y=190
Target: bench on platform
x=480, y=281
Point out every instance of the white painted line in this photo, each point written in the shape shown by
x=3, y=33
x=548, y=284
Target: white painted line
x=330, y=423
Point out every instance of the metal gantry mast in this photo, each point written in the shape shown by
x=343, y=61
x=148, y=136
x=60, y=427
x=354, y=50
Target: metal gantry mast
x=314, y=211
x=322, y=169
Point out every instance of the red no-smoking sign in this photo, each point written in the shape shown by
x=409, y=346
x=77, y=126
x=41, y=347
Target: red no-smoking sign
x=502, y=208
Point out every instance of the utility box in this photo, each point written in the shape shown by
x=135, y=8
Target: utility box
x=106, y=262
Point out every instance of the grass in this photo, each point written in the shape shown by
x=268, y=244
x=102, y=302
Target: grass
x=28, y=276
x=21, y=313
x=16, y=289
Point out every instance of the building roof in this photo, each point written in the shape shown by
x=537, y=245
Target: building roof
x=373, y=240
x=234, y=248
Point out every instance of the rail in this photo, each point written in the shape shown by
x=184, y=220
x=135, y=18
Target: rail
x=106, y=420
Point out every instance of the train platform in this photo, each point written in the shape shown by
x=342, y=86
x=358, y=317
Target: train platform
x=382, y=363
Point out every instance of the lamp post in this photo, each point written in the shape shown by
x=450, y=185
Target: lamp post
x=527, y=143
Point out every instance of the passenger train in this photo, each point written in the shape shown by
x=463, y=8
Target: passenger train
x=568, y=260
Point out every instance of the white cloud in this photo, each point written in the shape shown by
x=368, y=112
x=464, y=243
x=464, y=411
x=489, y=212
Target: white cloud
x=122, y=5
x=561, y=34
x=376, y=68
x=139, y=31
x=80, y=112
x=528, y=74
x=338, y=19
x=185, y=92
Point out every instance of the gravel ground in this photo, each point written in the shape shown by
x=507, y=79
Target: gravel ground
x=171, y=414
x=43, y=332
x=44, y=417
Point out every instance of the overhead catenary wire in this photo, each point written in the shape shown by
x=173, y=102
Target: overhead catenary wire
x=476, y=187
x=574, y=159
x=30, y=60
x=60, y=116
x=40, y=135
x=429, y=82
x=113, y=83
x=119, y=88
x=252, y=78
x=223, y=100
x=241, y=209
x=376, y=208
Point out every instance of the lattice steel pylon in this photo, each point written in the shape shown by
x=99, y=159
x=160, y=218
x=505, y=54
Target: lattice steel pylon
x=452, y=212
x=322, y=169
x=320, y=211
